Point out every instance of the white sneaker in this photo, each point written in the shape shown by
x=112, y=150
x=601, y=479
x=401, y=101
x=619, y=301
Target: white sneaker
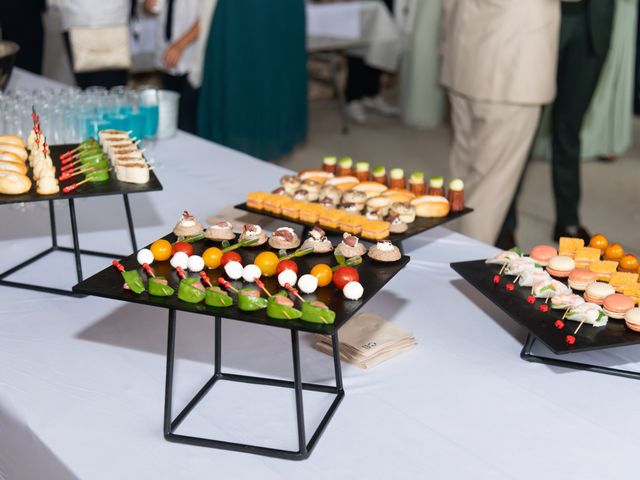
x=378, y=104
x=355, y=110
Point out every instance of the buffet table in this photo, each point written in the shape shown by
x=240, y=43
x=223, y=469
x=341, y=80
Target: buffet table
x=82, y=380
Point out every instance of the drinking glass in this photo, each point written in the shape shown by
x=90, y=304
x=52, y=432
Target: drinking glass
x=149, y=104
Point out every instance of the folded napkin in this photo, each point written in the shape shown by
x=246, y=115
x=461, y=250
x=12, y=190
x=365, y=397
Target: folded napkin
x=368, y=339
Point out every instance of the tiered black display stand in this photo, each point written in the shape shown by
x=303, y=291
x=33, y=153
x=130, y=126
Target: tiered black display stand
x=110, y=187
x=541, y=324
x=373, y=276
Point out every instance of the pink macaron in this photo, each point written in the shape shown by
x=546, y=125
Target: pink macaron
x=542, y=254
x=580, y=278
x=617, y=305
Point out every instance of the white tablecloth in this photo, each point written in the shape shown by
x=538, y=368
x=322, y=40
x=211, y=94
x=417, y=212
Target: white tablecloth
x=82, y=380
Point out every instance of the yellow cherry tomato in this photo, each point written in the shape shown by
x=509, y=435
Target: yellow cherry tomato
x=267, y=262
x=161, y=250
x=212, y=257
x=323, y=273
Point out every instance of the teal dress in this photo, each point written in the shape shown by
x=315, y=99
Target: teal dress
x=254, y=91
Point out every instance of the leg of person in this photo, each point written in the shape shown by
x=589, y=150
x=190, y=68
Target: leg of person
x=460, y=157
x=498, y=146
x=578, y=72
x=355, y=89
x=103, y=78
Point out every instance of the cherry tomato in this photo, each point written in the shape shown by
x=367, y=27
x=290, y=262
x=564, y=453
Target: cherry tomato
x=323, y=273
x=286, y=265
x=182, y=247
x=212, y=257
x=344, y=275
x=161, y=250
x=267, y=262
x=230, y=257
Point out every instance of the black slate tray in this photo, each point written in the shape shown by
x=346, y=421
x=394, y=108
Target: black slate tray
x=110, y=187
x=540, y=324
x=420, y=225
x=373, y=276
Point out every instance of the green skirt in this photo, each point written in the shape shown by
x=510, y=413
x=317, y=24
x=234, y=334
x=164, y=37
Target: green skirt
x=254, y=91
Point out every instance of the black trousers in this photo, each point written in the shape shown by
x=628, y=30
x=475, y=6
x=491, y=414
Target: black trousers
x=102, y=78
x=363, y=80
x=187, y=109
x=21, y=22
x=579, y=67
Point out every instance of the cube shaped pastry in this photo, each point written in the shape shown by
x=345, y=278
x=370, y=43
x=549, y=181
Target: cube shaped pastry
x=291, y=209
x=375, y=229
x=256, y=199
x=331, y=217
x=621, y=279
x=585, y=256
x=604, y=269
x=352, y=223
x=633, y=290
x=310, y=212
x=569, y=245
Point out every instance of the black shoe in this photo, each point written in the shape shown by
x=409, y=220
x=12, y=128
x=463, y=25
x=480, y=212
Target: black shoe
x=506, y=239
x=571, y=231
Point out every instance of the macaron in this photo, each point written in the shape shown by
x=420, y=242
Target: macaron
x=617, y=305
x=543, y=253
x=580, y=278
x=560, y=267
x=632, y=319
x=596, y=292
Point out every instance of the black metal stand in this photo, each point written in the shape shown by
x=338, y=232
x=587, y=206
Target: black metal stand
x=526, y=354
x=76, y=250
x=304, y=448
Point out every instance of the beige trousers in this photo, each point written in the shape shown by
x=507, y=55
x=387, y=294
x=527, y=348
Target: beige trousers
x=491, y=143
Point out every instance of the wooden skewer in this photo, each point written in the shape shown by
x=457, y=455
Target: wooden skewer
x=293, y=291
x=118, y=265
x=180, y=271
x=227, y=284
x=205, y=278
x=517, y=278
x=260, y=283
x=576, y=330
x=148, y=269
x=565, y=313
x=504, y=265
x=73, y=186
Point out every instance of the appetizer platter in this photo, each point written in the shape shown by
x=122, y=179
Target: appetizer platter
x=275, y=279
x=575, y=298
x=343, y=197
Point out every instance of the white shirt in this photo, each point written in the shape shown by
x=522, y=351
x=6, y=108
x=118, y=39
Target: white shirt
x=93, y=13
x=185, y=14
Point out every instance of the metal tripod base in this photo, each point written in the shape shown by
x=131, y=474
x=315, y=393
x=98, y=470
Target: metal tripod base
x=526, y=354
x=76, y=250
x=304, y=447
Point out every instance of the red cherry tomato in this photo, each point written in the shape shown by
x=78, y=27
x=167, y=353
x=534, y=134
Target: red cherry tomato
x=344, y=275
x=286, y=265
x=182, y=247
x=230, y=257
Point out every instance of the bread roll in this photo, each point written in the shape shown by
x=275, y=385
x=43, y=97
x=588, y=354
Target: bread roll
x=47, y=186
x=19, y=168
x=11, y=157
x=431, y=206
x=371, y=189
x=19, y=151
x=399, y=195
x=12, y=140
x=14, y=184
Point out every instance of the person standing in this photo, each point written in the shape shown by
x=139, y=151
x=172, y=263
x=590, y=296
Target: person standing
x=499, y=68
x=178, y=29
x=254, y=91
x=21, y=22
x=585, y=35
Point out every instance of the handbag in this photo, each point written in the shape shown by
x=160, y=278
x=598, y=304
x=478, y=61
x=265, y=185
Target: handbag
x=100, y=48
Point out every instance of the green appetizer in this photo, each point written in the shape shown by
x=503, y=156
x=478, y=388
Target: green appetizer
x=317, y=312
x=158, y=287
x=191, y=290
x=216, y=297
x=250, y=300
x=280, y=306
x=133, y=281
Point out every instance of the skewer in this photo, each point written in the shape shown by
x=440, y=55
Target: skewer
x=205, y=278
x=227, y=285
x=180, y=271
x=504, y=265
x=72, y=173
x=566, y=312
x=73, y=186
x=118, y=265
x=260, y=283
x=293, y=291
x=148, y=269
x=578, y=328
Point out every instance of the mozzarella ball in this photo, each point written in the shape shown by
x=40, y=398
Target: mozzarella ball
x=308, y=283
x=180, y=259
x=287, y=276
x=145, y=256
x=251, y=272
x=196, y=263
x=353, y=290
x=233, y=270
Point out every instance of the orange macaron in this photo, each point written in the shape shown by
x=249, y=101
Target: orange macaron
x=580, y=278
x=617, y=305
x=542, y=254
